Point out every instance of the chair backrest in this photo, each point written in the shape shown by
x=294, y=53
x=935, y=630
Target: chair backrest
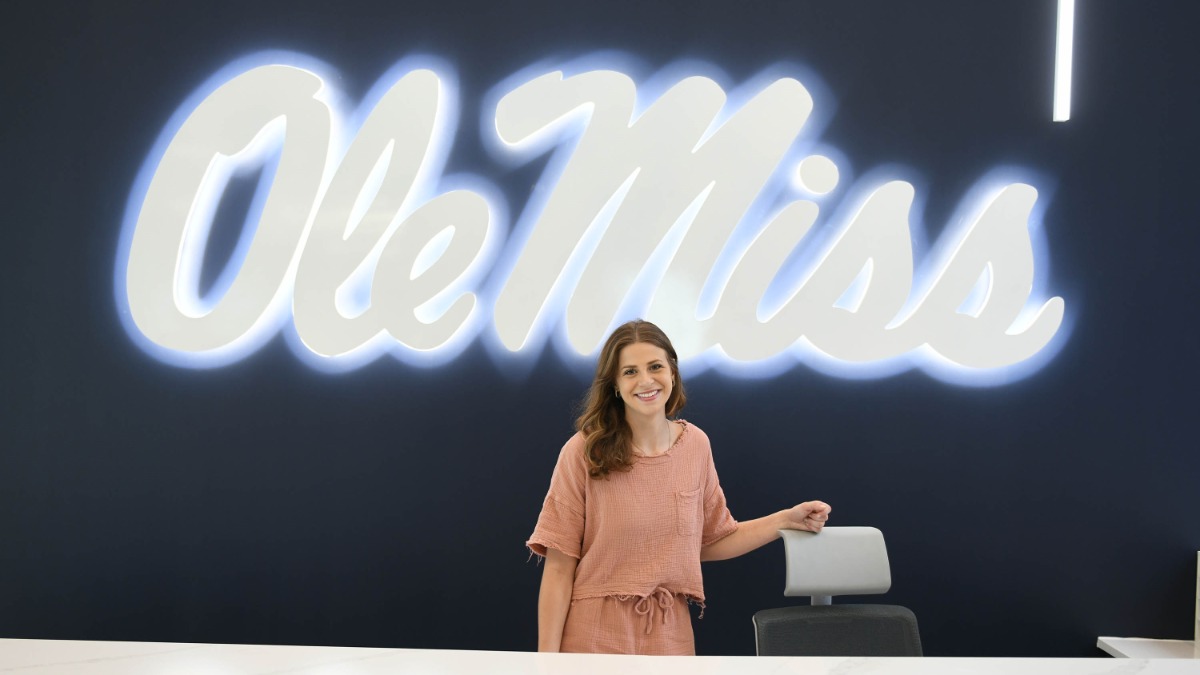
x=838, y=561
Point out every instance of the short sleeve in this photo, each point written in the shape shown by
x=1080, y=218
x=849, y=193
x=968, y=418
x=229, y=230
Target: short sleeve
x=560, y=524
x=718, y=521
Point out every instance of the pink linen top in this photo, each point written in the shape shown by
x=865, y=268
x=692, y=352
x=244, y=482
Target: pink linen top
x=640, y=530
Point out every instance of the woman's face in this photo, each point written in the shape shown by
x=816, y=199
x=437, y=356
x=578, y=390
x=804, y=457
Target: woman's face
x=644, y=379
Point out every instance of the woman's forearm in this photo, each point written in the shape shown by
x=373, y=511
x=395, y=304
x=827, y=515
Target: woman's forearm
x=751, y=534
x=554, y=599
x=809, y=516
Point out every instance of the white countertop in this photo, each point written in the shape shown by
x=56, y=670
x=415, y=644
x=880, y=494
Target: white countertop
x=1148, y=648
x=56, y=657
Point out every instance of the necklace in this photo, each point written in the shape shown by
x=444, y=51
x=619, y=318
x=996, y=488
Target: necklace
x=666, y=445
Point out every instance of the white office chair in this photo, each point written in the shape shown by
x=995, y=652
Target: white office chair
x=838, y=561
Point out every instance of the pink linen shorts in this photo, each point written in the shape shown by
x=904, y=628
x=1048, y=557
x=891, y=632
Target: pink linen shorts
x=658, y=624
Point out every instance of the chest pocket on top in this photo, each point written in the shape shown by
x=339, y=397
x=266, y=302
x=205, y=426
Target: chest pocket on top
x=688, y=519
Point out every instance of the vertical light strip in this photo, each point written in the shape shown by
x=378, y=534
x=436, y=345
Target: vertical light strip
x=1062, y=60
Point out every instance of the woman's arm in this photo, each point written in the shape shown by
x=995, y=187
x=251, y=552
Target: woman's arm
x=554, y=599
x=751, y=534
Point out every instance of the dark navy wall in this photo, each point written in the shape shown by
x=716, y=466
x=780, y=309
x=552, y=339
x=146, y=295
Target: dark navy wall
x=265, y=502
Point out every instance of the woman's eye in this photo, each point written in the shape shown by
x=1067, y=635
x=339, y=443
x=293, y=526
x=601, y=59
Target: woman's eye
x=657, y=366
x=630, y=371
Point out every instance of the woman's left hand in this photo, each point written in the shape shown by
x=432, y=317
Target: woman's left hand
x=810, y=516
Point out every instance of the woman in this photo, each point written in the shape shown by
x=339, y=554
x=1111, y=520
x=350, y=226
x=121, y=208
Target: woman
x=634, y=506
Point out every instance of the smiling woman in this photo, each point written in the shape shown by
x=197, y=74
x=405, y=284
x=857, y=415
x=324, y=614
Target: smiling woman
x=634, y=506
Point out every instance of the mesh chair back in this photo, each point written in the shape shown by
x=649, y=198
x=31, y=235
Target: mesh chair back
x=837, y=630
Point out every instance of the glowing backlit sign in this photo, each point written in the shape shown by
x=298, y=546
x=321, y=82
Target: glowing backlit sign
x=680, y=207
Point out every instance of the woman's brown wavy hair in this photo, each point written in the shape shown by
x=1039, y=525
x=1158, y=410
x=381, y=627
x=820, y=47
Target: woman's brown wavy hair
x=608, y=440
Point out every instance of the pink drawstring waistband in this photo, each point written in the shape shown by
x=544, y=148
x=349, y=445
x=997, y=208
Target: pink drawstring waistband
x=645, y=606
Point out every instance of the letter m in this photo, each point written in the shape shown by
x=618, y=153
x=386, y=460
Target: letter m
x=630, y=179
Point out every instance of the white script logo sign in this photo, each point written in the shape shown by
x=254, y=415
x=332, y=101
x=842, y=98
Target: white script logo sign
x=666, y=208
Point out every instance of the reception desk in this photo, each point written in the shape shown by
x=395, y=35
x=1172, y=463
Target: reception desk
x=56, y=657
